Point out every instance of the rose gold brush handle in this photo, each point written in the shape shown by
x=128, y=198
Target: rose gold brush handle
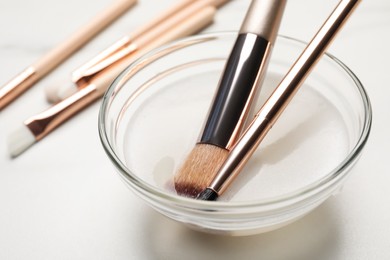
x=278, y=101
x=53, y=58
x=123, y=46
x=45, y=122
x=131, y=43
x=194, y=22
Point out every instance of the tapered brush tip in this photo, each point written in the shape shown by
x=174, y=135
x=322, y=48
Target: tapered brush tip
x=199, y=169
x=56, y=92
x=207, y=194
x=19, y=140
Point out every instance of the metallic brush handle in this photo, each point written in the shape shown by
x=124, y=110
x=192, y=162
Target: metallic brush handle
x=280, y=98
x=131, y=43
x=61, y=52
x=45, y=122
x=243, y=73
x=263, y=18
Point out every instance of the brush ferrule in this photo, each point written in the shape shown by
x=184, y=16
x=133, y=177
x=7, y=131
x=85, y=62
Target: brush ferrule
x=45, y=122
x=17, y=86
x=237, y=88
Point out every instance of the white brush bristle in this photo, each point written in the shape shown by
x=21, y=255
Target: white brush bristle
x=57, y=92
x=19, y=140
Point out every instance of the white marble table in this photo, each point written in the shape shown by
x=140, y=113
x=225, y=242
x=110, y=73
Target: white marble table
x=62, y=200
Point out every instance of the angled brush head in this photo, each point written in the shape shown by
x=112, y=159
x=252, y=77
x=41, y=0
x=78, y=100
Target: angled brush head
x=60, y=90
x=19, y=140
x=199, y=169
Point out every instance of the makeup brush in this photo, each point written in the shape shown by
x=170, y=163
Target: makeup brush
x=240, y=80
x=278, y=101
x=125, y=46
x=38, y=126
x=53, y=58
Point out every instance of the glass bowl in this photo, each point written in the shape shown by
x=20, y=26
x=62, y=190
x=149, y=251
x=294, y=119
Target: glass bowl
x=153, y=113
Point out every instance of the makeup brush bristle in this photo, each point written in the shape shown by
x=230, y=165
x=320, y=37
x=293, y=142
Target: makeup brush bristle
x=199, y=169
x=19, y=140
x=59, y=91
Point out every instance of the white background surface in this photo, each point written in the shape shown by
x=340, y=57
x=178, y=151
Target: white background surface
x=62, y=200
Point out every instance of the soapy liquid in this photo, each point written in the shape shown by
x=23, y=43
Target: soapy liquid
x=306, y=144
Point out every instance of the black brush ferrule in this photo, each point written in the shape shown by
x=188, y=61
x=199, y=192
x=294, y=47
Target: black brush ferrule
x=235, y=87
x=207, y=194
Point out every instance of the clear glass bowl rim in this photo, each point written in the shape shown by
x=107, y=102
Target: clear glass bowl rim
x=149, y=190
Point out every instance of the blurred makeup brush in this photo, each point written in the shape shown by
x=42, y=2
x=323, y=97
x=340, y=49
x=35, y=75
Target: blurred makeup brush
x=241, y=78
x=38, y=126
x=278, y=101
x=53, y=58
x=124, y=47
